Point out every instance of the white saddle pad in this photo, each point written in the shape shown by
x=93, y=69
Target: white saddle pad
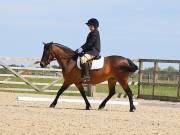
x=96, y=64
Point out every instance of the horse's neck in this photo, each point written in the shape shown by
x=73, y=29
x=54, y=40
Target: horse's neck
x=66, y=63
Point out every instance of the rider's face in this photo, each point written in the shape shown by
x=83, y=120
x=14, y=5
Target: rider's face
x=91, y=28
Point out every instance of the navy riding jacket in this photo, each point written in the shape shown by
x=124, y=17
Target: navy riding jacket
x=92, y=45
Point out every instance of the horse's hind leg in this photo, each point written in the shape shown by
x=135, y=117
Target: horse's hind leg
x=111, y=85
x=124, y=83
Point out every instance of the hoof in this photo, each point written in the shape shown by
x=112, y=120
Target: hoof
x=88, y=107
x=132, y=109
x=52, y=106
x=101, y=107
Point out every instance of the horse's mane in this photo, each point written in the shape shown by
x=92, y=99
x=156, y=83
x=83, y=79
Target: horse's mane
x=71, y=52
x=65, y=48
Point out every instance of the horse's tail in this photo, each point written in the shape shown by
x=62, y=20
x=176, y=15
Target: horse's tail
x=129, y=68
x=133, y=66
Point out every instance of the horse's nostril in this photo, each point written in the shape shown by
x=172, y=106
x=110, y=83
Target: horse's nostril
x=41, y=64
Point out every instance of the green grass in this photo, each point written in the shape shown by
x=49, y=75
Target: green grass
x=159, y=91
x=103, y=88
x=100, y=88
x=37, y=80
x=146, y=90
x=24, y=86
x=44, y=93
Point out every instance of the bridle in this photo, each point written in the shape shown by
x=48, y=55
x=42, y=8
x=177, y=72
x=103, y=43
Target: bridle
x=49, y=55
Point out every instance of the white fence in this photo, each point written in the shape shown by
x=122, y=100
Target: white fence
x=20, y=76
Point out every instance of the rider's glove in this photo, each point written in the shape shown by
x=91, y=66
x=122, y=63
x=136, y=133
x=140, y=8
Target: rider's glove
x=79, y=50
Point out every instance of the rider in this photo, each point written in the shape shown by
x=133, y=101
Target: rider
x=90, y=49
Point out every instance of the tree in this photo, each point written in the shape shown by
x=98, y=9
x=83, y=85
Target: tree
x=170, y=69
x=14, y=65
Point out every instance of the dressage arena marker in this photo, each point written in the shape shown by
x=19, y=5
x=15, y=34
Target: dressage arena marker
x=72, y=100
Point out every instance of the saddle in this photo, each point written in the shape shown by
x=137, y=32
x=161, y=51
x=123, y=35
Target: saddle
x=96, y=63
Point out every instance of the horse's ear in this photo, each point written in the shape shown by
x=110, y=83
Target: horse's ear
x=44, y=43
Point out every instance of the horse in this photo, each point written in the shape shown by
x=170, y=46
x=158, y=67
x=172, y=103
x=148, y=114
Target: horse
x=115, y=69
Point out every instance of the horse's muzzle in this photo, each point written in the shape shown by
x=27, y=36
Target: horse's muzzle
x=42, y=64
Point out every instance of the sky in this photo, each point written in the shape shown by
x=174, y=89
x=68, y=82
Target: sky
x=130, y=28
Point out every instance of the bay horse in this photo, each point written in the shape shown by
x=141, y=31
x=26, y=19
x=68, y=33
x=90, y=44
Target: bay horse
x=115, y=69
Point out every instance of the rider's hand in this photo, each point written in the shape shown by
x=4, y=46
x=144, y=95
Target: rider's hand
x=79, y=50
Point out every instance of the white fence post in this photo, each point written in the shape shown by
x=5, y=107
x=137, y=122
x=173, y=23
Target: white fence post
x=91, y=89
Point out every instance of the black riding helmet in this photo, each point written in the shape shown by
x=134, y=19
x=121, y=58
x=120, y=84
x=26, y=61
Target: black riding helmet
x=93, y=22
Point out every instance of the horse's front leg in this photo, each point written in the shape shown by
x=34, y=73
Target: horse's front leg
x=61, y=90
x=81, y=89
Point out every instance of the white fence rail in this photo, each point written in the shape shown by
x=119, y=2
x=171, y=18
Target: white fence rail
x=7, y=79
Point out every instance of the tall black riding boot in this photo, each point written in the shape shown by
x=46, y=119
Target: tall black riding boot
x=85, y=72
